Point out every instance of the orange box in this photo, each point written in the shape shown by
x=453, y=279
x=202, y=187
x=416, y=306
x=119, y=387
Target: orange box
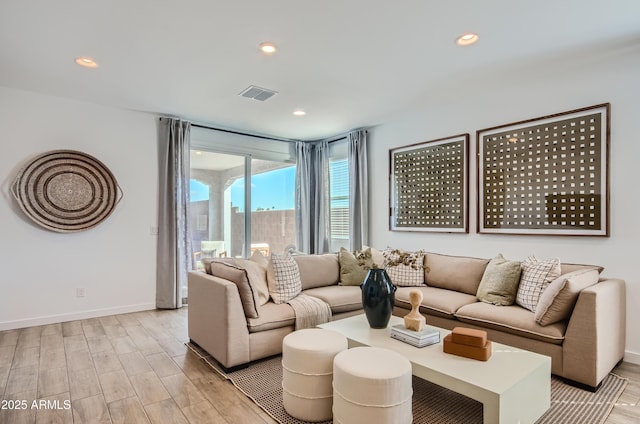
x=469, y=336
x=472, y=352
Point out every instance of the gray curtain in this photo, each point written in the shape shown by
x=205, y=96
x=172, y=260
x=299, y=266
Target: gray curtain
x=358, y=189
x=312, y=197
x=174, y=252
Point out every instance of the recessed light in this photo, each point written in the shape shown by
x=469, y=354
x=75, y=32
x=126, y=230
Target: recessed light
x=87, y=62
x=268, y=47
x=198, y=153
x=467, y=39
x=299, y=112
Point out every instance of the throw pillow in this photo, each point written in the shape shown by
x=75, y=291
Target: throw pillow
x=499, y=283
x=283, y=277
x=238, y=275
x=256, y=268
x=377, y=256
x=536, y=276
x=354, y=266
x=405, y=268
x=258, y=275
x=206, y=262
x=558, y=299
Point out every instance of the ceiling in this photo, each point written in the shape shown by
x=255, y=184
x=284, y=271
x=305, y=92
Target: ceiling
x=347, y=63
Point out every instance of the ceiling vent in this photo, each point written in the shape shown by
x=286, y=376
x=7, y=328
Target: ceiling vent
x=258, y=93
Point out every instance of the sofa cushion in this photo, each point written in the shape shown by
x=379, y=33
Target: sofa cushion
x=558, y=299
x=436, y=301
x=238, y=275
x=536, y=276
x=567, y=268
x=499, y=283
x=458, y=273
x=272, y=316
x=283, y=277
x=339, y=298
x=318, y=270
x=405, y=269
x=511, y=319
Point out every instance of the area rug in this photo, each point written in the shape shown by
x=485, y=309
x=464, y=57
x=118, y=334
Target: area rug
x=262, y=381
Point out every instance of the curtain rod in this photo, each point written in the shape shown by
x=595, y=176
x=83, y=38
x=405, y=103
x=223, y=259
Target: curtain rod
x=344, y=137
x=264, y=137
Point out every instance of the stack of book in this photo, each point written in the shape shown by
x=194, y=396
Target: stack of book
x=422, y=338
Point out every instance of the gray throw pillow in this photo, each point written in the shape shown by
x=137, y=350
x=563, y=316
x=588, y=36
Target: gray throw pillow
x=499, y=283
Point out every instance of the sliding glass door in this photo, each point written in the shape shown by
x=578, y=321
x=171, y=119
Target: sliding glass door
x=233, y=218
x=273, y=225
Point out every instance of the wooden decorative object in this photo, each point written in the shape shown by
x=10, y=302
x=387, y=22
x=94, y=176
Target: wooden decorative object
x=414, y=320
x=548, y=175
x=429, y=185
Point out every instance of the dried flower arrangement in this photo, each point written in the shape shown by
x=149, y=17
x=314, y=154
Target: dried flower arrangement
x=365, y=258
x=392, y=257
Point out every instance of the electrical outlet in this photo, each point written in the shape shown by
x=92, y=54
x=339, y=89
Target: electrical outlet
x=153, y=231
x=80, y=292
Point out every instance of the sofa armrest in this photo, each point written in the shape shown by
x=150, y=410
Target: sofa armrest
x=595, y=337
x=216, y=319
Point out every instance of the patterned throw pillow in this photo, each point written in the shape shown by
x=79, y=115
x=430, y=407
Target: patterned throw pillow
x=536, y=276
x=406, y=269
x=283, y=277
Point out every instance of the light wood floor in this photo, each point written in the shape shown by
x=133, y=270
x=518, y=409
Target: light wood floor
x=134, y=368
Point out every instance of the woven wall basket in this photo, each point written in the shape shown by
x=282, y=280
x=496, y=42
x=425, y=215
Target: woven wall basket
x=66, y=191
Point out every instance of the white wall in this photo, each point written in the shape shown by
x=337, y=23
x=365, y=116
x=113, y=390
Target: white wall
x=115, y=261
x=481, y=101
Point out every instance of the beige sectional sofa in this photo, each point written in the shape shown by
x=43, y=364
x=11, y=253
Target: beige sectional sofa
x=583, y=347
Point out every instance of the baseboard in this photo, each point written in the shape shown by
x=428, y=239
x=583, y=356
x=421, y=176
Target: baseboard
x=632, y=357
x=53, y=319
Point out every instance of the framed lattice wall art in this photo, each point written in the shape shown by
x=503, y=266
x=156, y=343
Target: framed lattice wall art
x=429, y=186
x=546, y=175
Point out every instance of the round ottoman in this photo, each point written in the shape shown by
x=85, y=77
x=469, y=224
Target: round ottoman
x=371, y=385
x=307, y=372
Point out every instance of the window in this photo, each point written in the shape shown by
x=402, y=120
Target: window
x=339, y=215
x=339, y=194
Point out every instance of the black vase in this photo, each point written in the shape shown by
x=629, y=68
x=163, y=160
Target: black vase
x=378, y=296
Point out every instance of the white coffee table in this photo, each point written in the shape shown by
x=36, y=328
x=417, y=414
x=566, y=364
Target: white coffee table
x=514, y=385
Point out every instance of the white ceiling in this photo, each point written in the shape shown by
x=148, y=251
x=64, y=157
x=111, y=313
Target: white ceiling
x=348, y=63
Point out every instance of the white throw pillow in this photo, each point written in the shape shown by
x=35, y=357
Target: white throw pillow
x=536, y=276
x=283, y=277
